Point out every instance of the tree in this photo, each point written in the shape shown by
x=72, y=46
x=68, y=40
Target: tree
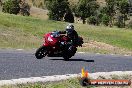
x=86, y=8
x=123, y=7
x=68, y=17
x=11, y=6
x=115, y=8
x=105, y=19
x=24, y=8
x=93, y=20
x=0, y=3
x=57, y=8
x=110, y=10
x=130, y=2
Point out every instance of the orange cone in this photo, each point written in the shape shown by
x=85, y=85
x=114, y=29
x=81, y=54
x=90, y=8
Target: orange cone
x=86, y=74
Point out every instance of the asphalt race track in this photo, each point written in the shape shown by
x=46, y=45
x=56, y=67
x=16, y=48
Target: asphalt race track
x=21, y=64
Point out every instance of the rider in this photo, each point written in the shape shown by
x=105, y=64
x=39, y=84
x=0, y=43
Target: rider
x=71, y=33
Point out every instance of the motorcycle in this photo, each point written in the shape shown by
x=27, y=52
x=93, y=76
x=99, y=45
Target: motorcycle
x=57, y=45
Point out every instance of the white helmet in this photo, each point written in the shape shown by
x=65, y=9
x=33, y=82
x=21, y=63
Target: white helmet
x=70, y=26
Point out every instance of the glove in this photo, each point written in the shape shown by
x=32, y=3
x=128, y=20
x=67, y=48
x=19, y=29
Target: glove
x=62, y=43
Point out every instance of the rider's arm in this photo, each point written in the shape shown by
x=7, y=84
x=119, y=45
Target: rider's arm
x=62, y=32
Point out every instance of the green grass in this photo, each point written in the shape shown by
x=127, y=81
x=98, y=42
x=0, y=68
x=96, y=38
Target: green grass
x=114, y=36
x=27, y=32
x=70, y=83
x=24, y=32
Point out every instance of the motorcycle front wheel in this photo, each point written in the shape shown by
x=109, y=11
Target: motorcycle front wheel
x=41, y=52
x=66, y=58
x=66, y=55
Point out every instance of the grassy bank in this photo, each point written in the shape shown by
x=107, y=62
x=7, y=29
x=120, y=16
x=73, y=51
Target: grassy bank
x=27, y=32
x=23, y=32
x=70, y=83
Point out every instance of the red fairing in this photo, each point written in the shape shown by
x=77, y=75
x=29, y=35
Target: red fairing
x=50, y=41
x=64, y=39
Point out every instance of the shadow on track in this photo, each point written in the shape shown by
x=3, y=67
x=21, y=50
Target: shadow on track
x=76, y=60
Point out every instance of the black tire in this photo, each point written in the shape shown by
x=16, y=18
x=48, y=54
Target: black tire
x=41, y=52
x=67, y=54
x=66, y=58
x=74, y=51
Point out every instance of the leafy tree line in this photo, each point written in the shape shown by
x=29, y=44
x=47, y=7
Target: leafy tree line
x=58, y=9
x=114, y=12
x=15, y=7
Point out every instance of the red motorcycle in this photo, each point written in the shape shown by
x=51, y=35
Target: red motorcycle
x=57, y=45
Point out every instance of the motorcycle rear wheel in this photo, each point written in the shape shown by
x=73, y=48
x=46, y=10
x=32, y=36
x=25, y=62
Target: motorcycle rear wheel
x=41, y=52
